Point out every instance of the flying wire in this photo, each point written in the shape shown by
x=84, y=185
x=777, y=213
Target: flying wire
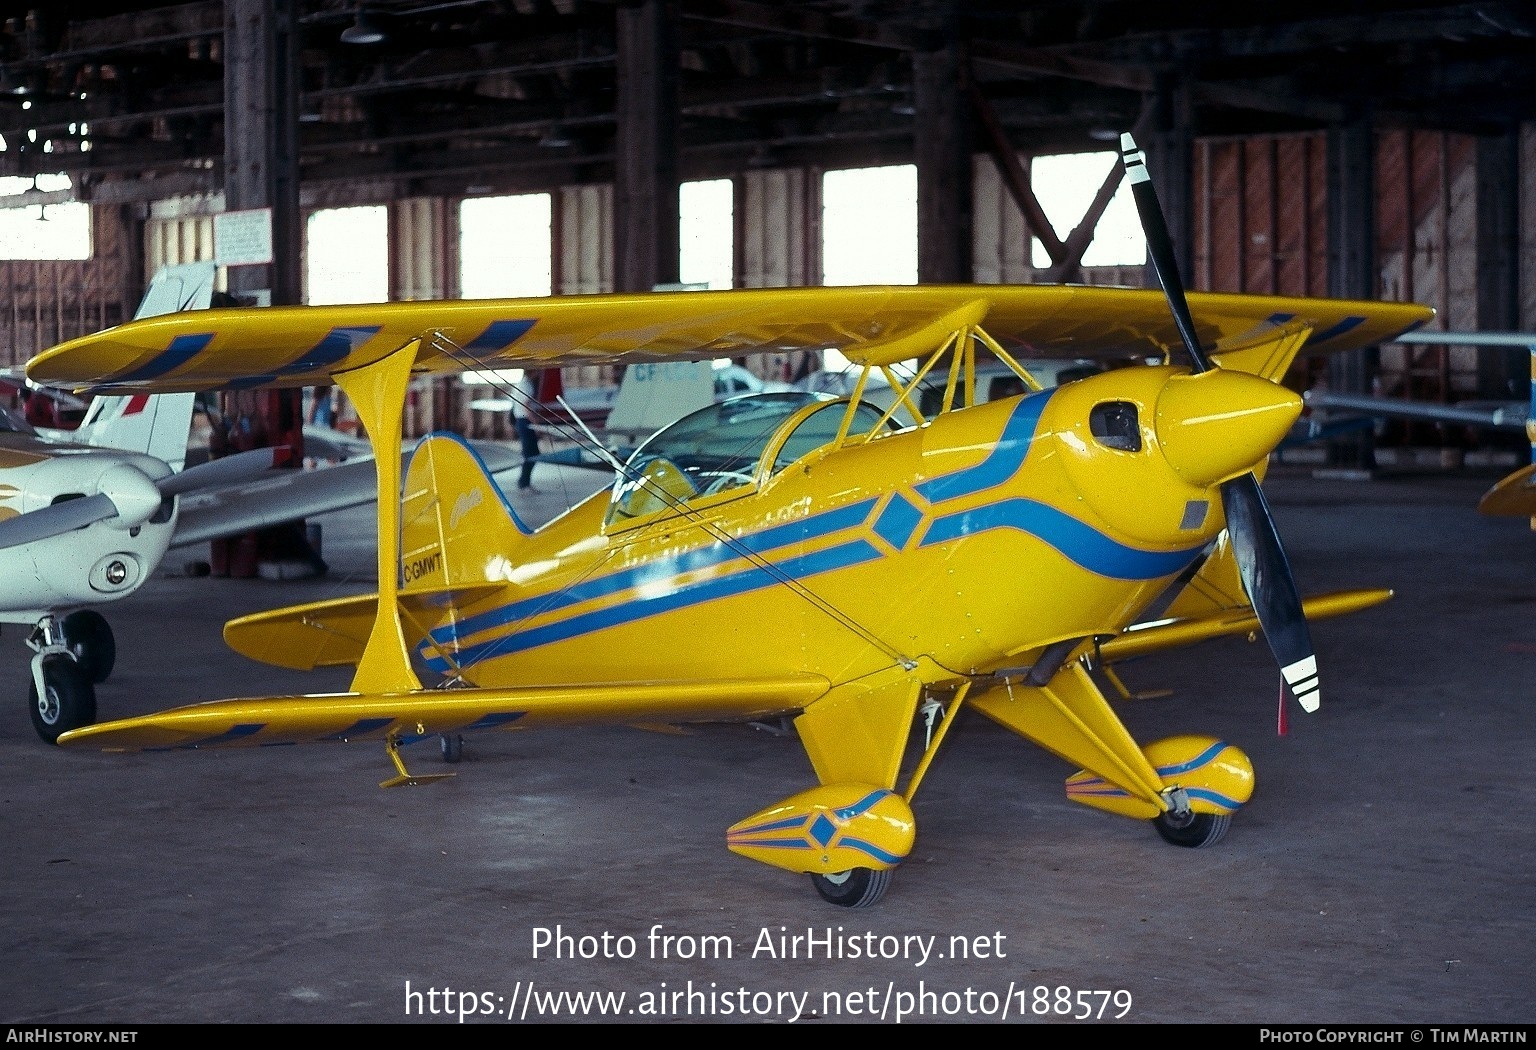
x=634, y=476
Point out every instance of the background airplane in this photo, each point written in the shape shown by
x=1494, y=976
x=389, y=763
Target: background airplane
x=87, y=516
x=1515, y=494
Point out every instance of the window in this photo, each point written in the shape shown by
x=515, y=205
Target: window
x=43, y=231
x=869, y=226
x=346, y=256
x=1065, y=185
x=505, y=246
x=706, y=233
x=868, y=230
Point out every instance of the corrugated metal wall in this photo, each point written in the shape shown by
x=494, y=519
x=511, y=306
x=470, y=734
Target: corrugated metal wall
x=1261, y=225
x=1260, y=221
x=46, y=302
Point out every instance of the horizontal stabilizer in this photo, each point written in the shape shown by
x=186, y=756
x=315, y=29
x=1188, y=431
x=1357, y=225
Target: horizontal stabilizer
x=265, y=721
x=1143, y=639
x=334, y=632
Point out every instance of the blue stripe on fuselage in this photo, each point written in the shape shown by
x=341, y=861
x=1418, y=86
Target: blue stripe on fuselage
x=1081, y=542
x=638, y=608
x=1005, y=459
x=813, y=528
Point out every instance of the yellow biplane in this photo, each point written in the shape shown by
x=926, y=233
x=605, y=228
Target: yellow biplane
x=796, y=555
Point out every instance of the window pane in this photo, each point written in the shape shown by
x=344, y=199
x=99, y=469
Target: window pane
x=44, y=231
x=346, y=256
x=706, y=233
x=869, y=226
x=1065, y=186
x=505, y=246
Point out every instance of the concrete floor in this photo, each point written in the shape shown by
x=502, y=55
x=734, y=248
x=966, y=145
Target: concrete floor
x=1382, y=873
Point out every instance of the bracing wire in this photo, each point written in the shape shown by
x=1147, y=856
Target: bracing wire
x=629, y=473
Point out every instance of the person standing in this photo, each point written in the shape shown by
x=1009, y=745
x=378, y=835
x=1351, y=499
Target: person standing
x=524, y=403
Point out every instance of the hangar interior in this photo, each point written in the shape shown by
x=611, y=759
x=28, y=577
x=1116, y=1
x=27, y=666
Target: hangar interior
x=1374, y=149
x=1347, y=148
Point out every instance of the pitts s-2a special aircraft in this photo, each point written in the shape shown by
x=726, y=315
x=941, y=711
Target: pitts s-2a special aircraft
x=812, y=559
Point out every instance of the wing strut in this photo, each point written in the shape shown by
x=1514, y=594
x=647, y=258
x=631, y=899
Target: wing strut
x=378, y=392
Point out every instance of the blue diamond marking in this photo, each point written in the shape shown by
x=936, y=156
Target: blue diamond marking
x=822, y=830
x=898, y=521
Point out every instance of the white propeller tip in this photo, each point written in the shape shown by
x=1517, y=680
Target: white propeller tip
x=1301, y=676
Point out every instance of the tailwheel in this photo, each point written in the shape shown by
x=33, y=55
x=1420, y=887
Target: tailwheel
x=855, y=888
x=88, y=635
x=68, y=700
x=1192, y=830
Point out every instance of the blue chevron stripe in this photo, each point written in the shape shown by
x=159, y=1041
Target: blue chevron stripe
x=1002, y=463
x=181, y=350
x=813, y=528
x=1084, y=544
x=498, y=335
x=334, y=347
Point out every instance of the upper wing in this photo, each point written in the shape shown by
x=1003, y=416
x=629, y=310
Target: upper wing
x=357, y=716
x=301, y=346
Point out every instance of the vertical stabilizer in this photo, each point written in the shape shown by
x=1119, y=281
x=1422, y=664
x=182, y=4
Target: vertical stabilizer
x=456, y=527
x=154, y=424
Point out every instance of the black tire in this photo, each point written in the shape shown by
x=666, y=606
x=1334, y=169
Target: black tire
x=89, y=637
x=856, y=888
x=453, y=747
x=69, y=701
x=1193, y=830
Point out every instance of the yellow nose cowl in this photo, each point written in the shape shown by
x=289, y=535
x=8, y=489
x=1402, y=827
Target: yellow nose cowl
x=1218, y=424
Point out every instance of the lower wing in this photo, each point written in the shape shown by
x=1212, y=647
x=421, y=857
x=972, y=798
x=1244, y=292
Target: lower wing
x=265, y=721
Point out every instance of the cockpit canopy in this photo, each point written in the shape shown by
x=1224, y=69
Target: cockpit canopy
x=722, y=447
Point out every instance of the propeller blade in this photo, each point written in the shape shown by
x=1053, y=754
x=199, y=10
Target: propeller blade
x=47, y=522
x=1266, y=575
x=224, y=471
x=1262, y=564
x=1160, y=247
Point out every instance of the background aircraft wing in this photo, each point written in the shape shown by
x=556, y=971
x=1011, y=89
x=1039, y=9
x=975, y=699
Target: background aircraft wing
x=355, y=716
x=1513, y=496
x=300, y=346
x=1501, y=415
x=277, y=496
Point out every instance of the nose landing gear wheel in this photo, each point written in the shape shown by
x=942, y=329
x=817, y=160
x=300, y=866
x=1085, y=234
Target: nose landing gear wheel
x=68, y=700
x=1192, y=830
x=89, y=637
x=855, y=888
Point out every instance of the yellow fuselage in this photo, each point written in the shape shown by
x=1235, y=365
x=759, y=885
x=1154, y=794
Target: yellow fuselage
x=956, y=541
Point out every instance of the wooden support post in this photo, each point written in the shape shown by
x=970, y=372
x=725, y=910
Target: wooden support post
x=943, y=168
x=1501, y=371
x=645, y=209
x=1352, y=266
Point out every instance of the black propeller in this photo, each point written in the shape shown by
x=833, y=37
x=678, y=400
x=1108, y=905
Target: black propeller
x=127, y=493
x=1261, y=559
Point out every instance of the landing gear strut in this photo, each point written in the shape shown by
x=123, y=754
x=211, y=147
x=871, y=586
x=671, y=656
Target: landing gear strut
x=70, y=658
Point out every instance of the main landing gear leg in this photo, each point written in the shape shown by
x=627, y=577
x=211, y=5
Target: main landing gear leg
x=62, y=696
